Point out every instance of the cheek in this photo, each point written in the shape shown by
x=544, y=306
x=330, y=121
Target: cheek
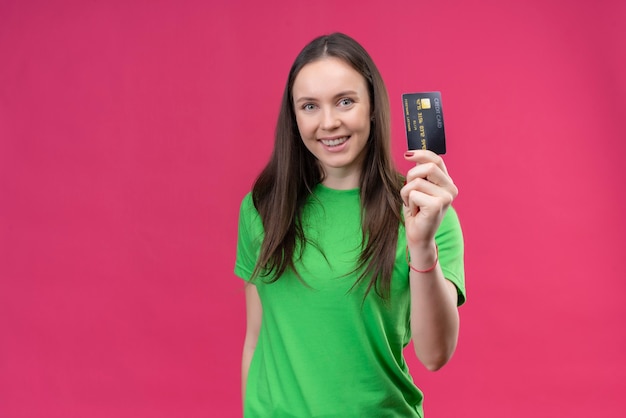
x=366, y=132
x=363, y=123
x=305, y=127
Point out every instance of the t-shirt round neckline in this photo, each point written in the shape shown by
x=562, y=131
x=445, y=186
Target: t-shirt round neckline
x=322, y=189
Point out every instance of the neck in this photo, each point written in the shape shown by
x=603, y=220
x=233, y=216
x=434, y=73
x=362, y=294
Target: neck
x=338, y=180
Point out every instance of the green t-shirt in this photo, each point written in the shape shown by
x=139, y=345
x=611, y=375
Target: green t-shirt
x=323, y=351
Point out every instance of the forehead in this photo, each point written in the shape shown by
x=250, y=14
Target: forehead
x=328, y=76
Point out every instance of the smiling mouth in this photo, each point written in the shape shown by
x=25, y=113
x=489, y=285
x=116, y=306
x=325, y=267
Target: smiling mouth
x=334, y=142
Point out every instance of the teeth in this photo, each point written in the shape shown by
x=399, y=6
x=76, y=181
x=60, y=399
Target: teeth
x=334, y=142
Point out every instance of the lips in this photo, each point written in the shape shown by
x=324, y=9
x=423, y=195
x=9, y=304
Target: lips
x=334, y=142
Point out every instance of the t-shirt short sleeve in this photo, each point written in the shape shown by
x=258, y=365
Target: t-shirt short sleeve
x=449, y=240
x=249, y=239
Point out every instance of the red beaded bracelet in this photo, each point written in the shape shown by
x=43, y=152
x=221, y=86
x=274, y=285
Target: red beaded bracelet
x=428, y=269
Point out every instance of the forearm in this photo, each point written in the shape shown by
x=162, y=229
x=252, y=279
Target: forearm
x=246, y=358
x=254, y=314
x=434, y=313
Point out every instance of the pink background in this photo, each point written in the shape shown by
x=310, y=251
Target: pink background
x=130, y=131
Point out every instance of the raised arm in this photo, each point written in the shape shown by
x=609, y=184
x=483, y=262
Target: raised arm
x=434, y=315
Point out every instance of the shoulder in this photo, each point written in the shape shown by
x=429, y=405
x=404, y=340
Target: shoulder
x=249, y=217
x=247, y=203
x=449, y=240
x=450, y=225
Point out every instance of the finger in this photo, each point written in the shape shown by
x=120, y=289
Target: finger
x=431, y=172
x=425, y=156
x=420, y=202
x=421, y=185
x=443, y=196
x=447, y=191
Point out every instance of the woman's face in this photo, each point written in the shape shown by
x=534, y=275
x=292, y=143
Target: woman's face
x=332, y=108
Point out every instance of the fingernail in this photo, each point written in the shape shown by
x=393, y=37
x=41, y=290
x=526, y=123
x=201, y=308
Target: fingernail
x=409, y=154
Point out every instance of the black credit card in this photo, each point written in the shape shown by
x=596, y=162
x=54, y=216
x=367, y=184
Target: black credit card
x=423, y=120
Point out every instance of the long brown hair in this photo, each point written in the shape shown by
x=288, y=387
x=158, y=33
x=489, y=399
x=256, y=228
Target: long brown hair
x=282, y=188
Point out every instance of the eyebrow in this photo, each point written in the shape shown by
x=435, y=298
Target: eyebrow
x=337, y=96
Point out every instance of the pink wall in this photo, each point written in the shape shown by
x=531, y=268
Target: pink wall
x=129, y=132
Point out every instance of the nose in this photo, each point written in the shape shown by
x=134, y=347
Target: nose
x=330, y=120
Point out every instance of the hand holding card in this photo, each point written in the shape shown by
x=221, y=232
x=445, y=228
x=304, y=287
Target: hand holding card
x=423, y=120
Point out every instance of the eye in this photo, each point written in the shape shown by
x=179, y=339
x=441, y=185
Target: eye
x=308, y=107
x=345, y=102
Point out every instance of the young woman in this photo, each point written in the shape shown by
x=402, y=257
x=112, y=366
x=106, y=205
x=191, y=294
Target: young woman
x=345, y=260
